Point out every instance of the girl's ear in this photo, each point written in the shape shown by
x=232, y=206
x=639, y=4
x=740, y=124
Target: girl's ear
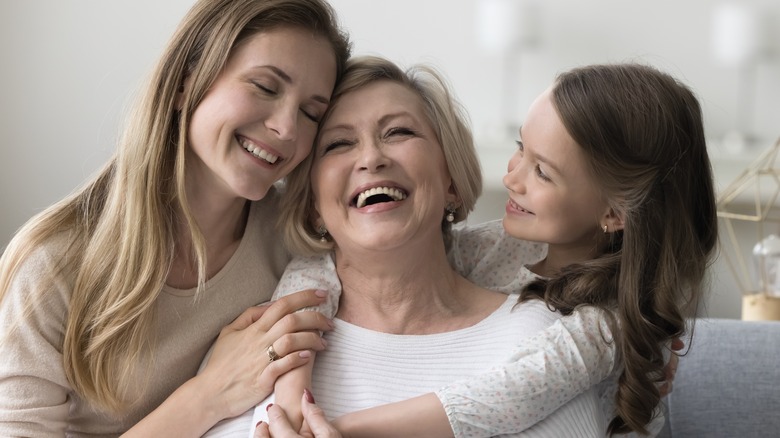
x=613, y=220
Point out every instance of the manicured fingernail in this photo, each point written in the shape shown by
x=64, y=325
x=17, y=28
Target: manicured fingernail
x=321, y=293
x=305, y=354
x=269, y=406
x=259, y=423
x=308, y=395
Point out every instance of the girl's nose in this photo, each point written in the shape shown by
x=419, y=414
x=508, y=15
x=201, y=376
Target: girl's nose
x=514, y=179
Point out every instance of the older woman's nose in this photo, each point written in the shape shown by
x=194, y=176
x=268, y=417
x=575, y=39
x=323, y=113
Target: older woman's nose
x=372, y=157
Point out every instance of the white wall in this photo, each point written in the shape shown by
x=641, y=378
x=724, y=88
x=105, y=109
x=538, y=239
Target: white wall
x=68, y=69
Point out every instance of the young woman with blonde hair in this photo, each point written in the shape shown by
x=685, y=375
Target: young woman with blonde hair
x=110, y=298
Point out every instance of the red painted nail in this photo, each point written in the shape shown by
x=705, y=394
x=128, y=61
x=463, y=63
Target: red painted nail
x=309, y=396
x=269, y=406
x=259, y=423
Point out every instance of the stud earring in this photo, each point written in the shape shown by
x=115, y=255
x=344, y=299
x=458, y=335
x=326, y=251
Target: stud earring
x=605, y=229
x=322, y=231
x=450, y=213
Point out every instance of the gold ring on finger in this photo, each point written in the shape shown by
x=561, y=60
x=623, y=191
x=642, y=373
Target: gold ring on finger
x=272, y=355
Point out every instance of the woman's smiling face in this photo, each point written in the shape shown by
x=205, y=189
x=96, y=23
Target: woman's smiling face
x=259, y=118
x=379, y=176
x=553, y=197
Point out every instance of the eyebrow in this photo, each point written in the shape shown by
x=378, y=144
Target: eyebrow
x=383, y=120
x=287, y=79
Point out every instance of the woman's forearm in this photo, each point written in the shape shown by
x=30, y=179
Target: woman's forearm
x=288, y=390
x=185, y=413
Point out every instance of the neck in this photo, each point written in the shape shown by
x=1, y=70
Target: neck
x=222, y=226
x=559, y=257
x=417, y=293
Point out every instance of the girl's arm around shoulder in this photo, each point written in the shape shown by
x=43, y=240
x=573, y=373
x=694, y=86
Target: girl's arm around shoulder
x=544, y=372
x=313, y=272
x=488, y=256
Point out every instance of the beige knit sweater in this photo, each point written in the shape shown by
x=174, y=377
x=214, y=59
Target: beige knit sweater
x=36, y=398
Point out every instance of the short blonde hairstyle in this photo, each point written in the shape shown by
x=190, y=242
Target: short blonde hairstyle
x=445, y=115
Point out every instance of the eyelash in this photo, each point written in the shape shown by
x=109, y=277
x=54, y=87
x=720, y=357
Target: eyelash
x=264, y=89
x=272, y=92
x=541, y=174
x=343, y=142
x=311, y=117
x=537, y=168
x=399, y=131
x=336, y=143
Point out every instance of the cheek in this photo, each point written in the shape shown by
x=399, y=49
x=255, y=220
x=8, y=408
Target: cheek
x=326, y=185
x=305, y=142
x=301, y=152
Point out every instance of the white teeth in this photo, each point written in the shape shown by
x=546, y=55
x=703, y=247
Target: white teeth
x=258, y=152
x=395, y=194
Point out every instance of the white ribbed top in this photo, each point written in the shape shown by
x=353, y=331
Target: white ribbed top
x=396, y=367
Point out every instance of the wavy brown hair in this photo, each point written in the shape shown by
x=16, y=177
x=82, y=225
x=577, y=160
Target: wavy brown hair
x=120, y=226
x=643, y=136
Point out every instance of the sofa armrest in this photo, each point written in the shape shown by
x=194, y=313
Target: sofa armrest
x=728, y=382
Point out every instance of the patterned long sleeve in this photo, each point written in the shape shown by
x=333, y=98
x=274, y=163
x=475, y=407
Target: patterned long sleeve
x=545, y=371
x=315, y=272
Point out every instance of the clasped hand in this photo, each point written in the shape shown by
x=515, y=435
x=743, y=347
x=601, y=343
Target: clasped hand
x=315, y=423
x=240, y=373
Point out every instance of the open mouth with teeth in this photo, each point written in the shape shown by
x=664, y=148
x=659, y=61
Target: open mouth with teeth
x=258, y=152
x=378, y=195
x=518, y=207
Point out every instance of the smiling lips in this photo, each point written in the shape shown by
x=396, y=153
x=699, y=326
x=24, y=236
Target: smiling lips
x=517, y=207
x=258, y=151
x=376, y=195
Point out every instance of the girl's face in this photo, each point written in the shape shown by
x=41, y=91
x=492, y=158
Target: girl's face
x=553, y=198
x=379, y=176
x=259, y=118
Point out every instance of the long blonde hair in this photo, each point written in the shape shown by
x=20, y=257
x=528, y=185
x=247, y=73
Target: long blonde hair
x=120, y=226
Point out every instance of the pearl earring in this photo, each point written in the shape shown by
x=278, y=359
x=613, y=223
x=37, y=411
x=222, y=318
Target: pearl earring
x=450, y=213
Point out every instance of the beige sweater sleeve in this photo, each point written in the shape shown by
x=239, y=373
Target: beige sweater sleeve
x=33, y=388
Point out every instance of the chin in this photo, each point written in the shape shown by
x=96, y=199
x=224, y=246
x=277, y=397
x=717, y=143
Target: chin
x=252, y=195
x=512, y=227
